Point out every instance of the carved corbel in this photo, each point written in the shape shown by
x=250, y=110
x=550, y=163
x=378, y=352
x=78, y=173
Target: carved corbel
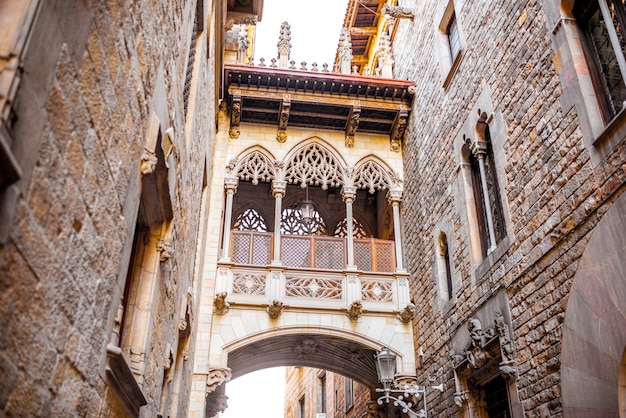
x=221, y=307
x=283, y=118
x=235, y=115
x=217, y=377
x=408, y=313
x=398, y=130
x=148, y=162
x=508, y=366
x=397, y=12
x=355, y=310
x=275, y=309
x=353, y=123
x=165, y=249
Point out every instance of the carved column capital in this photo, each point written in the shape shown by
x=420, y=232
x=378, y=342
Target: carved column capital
x=279, y=188
x=394, y=196
x=348, y=193
x=478, y=147
x=230, y=184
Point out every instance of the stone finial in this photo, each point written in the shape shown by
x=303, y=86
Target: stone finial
x=284, y=45
x=355, y=310
x=220, y=304
x=345, y=51
x=275, y=309
x=385, y=56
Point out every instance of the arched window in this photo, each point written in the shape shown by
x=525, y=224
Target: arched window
x=603, y=22
x=250, y=220
x=358, y=229
x=488, y=206
x=291, y=222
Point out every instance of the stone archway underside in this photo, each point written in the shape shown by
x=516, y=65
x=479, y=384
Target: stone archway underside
x=332, y=353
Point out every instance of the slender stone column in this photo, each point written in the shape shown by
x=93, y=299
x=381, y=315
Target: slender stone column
x=349, y=196
x=230, y=184
x=394, y=198
x=479, y=148
x=278, y=189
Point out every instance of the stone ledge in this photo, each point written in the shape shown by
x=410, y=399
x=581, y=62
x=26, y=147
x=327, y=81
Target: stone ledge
x=121, y=378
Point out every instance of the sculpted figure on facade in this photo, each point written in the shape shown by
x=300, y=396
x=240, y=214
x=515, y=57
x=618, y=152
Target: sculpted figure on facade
x=221, y=307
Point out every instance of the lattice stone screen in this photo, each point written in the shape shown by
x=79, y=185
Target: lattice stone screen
x=240, y=253
x=313, y=287
x=249, y=283
x=376, y=290
x=384, y=255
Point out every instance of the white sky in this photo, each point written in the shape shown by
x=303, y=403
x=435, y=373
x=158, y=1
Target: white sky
x=315, y=29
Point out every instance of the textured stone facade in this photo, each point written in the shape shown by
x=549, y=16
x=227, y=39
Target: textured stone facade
x=557, y=181
x=102, y=86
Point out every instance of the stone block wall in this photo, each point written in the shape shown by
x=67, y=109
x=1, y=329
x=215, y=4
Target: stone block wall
x=93, y=74
x=553, y=193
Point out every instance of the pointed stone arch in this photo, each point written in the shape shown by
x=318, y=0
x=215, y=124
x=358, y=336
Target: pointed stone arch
x=253, y=164
x=315, y=162
x=371, y=173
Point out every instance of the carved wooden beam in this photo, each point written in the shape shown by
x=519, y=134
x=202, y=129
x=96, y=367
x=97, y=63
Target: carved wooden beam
x=235, y=115
x=283, y=118
x=353, y=123
x=398, y=129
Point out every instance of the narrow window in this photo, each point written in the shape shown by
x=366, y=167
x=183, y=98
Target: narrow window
x=453, y=37
x=444, y=256
x=301, y=407
x=349, y=392
x=603, y=23
x=321, y=394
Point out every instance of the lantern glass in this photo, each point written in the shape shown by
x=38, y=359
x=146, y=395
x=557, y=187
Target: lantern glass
x=386, y=366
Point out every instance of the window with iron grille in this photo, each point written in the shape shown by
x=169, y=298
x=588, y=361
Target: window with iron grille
x=602, y=22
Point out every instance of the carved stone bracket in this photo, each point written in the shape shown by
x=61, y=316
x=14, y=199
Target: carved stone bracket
x=235, y=115
x=148, y=162
x=398, y=130
x=355, y=310
x=217, y=377
x=463, y=398
x=353, y=123
x=220, y=305
x=397, y=12
x=408, y=313
x=275, y=309
x=216, y=404
x=283, y=118
x=165, y=249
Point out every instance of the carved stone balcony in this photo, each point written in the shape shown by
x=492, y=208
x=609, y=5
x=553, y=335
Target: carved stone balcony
x=312, y=273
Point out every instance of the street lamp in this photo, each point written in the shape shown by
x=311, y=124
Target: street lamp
x=386, y=370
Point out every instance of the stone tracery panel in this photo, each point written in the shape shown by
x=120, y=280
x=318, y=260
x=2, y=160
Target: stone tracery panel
x=313, y=287
x=254, y=167
x=314, y=165
x=248, y=284
x=372, y=176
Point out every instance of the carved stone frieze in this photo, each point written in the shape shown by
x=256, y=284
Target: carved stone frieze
x=221, y=307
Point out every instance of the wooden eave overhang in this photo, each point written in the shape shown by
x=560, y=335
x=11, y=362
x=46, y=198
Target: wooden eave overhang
x=317, y=100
